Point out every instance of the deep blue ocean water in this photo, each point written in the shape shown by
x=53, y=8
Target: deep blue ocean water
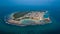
x=48, y=28
x=7, y=8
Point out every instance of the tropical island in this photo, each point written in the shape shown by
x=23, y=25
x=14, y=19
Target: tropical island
x=29, y=18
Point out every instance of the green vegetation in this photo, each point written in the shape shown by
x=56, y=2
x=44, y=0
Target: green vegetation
x=26, y=18
x=19, y=14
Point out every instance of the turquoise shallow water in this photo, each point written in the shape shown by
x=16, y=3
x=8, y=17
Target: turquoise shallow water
x=26, y=21
x=46, y=16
